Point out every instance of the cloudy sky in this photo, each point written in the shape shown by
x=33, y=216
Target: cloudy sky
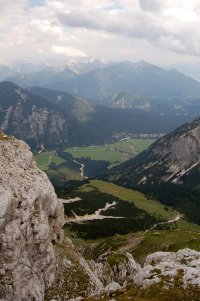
x=164, y=32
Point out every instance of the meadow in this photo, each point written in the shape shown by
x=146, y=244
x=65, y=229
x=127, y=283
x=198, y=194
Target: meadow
x=114, y=153
x=44, y=159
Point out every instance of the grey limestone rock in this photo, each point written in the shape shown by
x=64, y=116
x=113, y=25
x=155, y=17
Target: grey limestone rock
x=31, y=218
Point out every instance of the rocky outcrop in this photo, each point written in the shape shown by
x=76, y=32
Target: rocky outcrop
x=113, y=267
x=168, y=268
x=31, y=218
x=183, y=266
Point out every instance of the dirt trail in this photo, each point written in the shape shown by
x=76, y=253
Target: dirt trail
x=81, y=168
x=175, y=219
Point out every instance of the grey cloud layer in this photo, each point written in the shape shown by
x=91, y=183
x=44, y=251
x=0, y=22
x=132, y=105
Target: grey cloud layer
x=153, y=5
x=133, y=22
x=124, y=23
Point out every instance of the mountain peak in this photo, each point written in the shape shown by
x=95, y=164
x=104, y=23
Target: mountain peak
x=141, y=65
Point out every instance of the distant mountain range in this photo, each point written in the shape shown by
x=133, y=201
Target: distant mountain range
x=42, y=74
x=46, y=118
x=125, y=98
x=139, y=78
x=139, y=86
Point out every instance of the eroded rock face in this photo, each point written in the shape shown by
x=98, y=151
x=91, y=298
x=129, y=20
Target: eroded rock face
x=31, y=218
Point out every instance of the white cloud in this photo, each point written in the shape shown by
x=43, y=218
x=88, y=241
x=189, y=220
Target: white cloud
x=68, y=51
x=109, y=29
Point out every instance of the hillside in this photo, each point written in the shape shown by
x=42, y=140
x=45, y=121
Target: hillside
x=31, y=118
x=41, y=77
x=43, y=123
x=139, y=86
x=107, y=121
x=46, y=118
x=173, y=158
x=169, y=170
x=40, y=262
x=102, y=219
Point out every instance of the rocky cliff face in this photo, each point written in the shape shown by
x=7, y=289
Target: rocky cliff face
x=31, y=218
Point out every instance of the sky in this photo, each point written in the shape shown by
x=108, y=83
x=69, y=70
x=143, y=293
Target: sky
x=162, y=32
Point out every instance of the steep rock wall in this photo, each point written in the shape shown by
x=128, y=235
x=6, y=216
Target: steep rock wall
x=31, y=218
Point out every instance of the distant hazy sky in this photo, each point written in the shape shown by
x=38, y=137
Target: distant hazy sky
x=164, y=32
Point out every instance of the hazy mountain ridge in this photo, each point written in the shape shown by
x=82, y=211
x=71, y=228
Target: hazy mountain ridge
x=141, y=86
x=139, y=78
x=42, y=77
x=29, y=74
x=74, y=120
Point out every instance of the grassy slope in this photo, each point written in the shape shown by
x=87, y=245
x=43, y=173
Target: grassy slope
x=153, y=207
x=140, y=244
x=136, y=145
x=139, y=199
x=166, y=240
x=42, y=159
x=96, y=153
